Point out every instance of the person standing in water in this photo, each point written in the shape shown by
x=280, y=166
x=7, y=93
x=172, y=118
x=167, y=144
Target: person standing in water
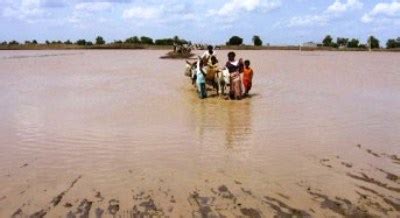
x=201, y=79
x=235, y=68
x=247, y=77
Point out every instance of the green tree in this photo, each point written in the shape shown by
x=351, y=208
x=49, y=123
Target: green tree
x=117, y=42
x=257, y=41
x=362, y=46
x=89, y=43
x=327, y=42
x=100, y=40
x=235, y=40
x=146, y=40
x=68, y=42
x=167, y=41
x=373, y=42
x=393, y=43
x=27, y=42
x=353, y=43
x=342, y=41
x=47, y=42
x=4, y=43
x=81, y=42
x=34, y=42
x=13, y=42
x=133, y=40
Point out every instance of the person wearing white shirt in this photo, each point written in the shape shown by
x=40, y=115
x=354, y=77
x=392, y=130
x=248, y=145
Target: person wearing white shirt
x=206, y=57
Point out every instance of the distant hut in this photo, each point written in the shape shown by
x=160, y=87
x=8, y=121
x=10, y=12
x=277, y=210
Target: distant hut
x=310, y=45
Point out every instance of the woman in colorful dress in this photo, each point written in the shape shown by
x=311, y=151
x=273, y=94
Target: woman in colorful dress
x=235, y=68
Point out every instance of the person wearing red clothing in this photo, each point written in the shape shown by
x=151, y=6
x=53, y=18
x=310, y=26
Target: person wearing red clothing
x=247, y=77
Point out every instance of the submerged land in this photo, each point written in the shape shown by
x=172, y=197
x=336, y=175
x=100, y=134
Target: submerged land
x=102, y=133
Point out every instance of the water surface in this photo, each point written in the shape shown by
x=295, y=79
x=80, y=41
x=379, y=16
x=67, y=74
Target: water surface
x=123, y=132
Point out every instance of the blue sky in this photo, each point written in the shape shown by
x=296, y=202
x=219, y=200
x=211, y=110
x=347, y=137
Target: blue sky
x=206, y=21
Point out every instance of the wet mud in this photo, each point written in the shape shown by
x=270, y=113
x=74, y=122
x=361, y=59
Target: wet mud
x=340, y=206
x=390, y=176
x=82, y=211
x=283, y=210
x=365, y=178
x=54, y=203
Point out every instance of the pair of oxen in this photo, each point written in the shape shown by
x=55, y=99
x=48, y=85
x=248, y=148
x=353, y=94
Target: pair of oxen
x=217, y=78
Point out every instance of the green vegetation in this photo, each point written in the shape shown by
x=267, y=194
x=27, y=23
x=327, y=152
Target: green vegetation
x=149, y=41
x=342, y=42
x=33, y=42
x=81, y=42
x=146, y=40
x=373, y=42
x=393, y=43
x=164, y=42
x=353, y=43
x=100, y=40
x=13, y=42
x=346, y=43
x=327, y=42
x=257, y=41
x=171, y=41
x=235, y=40
x=362, y=46
x=133, y=40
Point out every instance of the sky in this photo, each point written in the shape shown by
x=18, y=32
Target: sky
x=201, y=21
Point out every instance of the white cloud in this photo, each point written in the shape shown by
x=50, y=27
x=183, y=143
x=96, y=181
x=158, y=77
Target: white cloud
x=340, y=7
x=234, y=6
x=27, y=10
x=138, y=12
x=308, y=20
x=85, y=12
x=165, y=12
x=93, y=6
x=383, y=10
x=336, y=9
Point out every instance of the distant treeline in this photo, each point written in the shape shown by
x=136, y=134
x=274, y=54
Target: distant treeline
x=100, y=41
x=328, y=42
x=372, y=42
x=234, y=41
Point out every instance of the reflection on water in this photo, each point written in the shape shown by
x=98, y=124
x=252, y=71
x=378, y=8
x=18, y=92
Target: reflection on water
x=238, y=125
x=107, y=128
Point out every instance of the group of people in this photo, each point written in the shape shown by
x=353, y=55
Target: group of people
x=240, y=74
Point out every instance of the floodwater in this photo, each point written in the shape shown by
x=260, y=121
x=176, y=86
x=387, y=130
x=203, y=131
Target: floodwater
x=103, y=133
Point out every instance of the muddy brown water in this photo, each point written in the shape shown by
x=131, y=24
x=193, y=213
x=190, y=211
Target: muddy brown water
x=103, y=133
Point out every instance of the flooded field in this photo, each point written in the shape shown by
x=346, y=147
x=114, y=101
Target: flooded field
x=103, y=133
